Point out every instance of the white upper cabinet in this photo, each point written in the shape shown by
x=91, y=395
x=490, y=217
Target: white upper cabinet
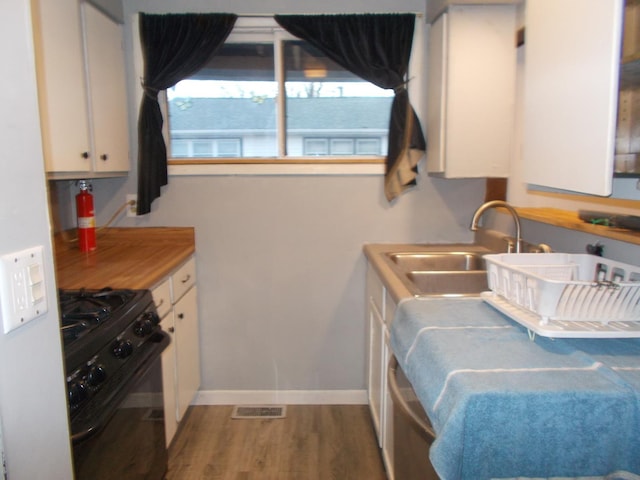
x=81, y=89
x=61, y=85
x=572, y=64
x=436, y=7
x=107, y=91
x=471, y=91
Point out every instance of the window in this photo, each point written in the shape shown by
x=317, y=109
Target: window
x=342, y=146
x=316, y=146
x=267, y=96
x=198, y=148
x=368, y=146
x=202, y=148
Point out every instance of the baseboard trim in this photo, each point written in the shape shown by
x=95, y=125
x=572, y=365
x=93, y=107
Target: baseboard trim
x=286, y=397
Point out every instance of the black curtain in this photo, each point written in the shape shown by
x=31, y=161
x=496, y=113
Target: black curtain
x=376, y=47
x=174, y=47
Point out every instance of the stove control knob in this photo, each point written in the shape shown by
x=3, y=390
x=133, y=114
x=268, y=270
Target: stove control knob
x=142, y=327
x=77, y=393
x=152, y=317
x=122, y=349
x=96, y=375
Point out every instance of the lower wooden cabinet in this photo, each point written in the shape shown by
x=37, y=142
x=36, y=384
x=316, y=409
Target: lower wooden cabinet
x=176, y=300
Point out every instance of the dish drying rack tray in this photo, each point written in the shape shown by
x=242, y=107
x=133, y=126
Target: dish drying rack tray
x=566, y=295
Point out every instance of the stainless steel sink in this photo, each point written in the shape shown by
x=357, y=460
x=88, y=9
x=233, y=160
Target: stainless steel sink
x=442, y=283
x=441, y=273
x=439, y=261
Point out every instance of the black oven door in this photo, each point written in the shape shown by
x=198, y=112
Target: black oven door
x=123, y=435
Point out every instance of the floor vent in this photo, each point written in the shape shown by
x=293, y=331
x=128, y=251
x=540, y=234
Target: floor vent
x=259, y=411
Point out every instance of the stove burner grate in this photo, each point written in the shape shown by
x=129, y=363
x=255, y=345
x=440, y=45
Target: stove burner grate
x=71, y=330
x=83, y=310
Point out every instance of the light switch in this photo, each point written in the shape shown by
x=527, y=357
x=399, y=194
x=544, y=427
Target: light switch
x=23, y=293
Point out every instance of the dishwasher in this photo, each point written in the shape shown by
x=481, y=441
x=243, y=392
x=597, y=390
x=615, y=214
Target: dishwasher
x=412, y=430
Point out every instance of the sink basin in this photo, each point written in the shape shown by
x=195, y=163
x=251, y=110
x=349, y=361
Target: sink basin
x=440, y=272
x=443, y=283
x=439, y=261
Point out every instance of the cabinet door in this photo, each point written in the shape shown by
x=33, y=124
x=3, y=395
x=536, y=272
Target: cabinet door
x=471, y=91
x=107, y=91
x=162, y=298
x=375, y=381
x=187, y=350
x=61, y=85
x=183, y=279
x=168, y=382
x=572, y=55
x=436, y=80
x=387, y=429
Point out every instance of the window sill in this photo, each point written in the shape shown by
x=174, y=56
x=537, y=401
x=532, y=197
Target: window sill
x=277, y=167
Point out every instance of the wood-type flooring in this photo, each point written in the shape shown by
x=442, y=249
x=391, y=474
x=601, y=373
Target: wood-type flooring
x=313, y=442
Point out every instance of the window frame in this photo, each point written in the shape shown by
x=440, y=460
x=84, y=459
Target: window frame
x=257, y=29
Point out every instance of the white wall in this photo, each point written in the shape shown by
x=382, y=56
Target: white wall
x=33, y=408
x=281, y=270
x=280, y=264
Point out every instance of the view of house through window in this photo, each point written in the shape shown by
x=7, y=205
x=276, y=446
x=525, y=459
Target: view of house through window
x=230, y=108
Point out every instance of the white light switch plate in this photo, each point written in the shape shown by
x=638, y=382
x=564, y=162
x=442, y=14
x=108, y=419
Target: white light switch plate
x=23, y=293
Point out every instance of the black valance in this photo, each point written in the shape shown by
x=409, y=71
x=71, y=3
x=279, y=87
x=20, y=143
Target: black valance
x=377, y=48
x=174, y=46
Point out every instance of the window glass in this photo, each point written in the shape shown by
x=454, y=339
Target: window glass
x=234, y=94
x=316, y=146
x=324, y=98
x=368, y=146
x=342, y=146
x=230, y=107
x=180, y=148
x=202, y=148
x=229, y=147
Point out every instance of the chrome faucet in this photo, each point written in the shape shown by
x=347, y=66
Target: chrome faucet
x=494, y=204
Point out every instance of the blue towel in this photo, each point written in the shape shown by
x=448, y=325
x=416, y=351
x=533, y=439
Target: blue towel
x=503, y=406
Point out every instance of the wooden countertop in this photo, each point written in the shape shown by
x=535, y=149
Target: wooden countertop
x=125, y=257
x=570, y=220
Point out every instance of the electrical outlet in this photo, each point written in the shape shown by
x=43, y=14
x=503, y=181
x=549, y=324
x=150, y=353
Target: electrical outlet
x=132, y=204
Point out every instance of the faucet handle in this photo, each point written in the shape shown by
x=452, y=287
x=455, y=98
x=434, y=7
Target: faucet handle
x=544, y=248
x=511, y=243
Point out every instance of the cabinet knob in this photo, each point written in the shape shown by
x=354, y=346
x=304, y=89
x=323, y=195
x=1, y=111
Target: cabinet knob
x=172, y=329
x=181, y=316
x=104, y=157
x=85, y=155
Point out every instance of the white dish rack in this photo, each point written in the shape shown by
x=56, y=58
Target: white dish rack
x=566, y=295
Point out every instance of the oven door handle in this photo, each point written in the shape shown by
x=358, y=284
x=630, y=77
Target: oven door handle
x=424, y=428
x=93, y=423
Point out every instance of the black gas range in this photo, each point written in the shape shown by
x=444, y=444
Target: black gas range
x=112, y=346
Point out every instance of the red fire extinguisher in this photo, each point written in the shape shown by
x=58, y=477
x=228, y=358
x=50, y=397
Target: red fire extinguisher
x=86, y=218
